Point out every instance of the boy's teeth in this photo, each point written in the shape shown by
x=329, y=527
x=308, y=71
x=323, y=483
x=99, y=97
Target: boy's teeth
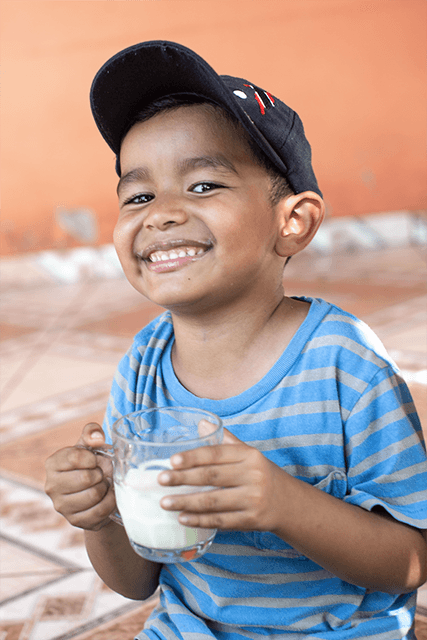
x=173, y=254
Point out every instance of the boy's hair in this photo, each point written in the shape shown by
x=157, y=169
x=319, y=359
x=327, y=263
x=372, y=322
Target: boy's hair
x=279, y=185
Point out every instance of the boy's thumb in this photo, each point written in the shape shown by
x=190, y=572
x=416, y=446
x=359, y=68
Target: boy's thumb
x=92, y=436
x=229, y=438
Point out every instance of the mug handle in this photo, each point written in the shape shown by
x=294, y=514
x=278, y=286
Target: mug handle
x=107, y=452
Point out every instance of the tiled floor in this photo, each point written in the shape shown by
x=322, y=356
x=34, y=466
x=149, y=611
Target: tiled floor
x=59, y=347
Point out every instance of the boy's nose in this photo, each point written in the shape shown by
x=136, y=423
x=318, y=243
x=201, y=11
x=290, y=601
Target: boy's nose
x=162, y=215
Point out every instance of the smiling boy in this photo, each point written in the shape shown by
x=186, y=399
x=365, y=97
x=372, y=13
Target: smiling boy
x=320, y=502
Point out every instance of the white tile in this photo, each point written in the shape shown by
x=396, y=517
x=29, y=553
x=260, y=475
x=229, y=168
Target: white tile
x=53, y=374
x=55, y=410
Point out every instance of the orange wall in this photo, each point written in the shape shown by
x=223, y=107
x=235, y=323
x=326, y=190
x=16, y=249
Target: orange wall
x=353, y=69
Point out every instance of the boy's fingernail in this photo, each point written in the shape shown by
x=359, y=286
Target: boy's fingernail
x=177, y=460
x=166, y=502
x=96, y=435
x=164, y=476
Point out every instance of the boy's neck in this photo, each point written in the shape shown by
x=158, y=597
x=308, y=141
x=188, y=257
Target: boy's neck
x=221, y=355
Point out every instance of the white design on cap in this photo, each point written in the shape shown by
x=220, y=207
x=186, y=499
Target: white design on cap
x=240, y=94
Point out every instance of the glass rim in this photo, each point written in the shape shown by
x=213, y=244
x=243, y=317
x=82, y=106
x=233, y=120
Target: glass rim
x=136, y=438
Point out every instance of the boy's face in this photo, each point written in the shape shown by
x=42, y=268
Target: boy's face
x=196, y=228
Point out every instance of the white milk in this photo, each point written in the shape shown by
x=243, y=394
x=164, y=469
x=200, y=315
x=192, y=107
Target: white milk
x=146, y=523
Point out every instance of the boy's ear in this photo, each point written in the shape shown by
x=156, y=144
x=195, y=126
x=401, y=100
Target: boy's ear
x=300, y=216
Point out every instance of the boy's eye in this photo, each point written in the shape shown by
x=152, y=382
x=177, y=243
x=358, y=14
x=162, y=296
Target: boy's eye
x=140, y=198
x=203, y=187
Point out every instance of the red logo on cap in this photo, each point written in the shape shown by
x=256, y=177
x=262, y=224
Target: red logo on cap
x=266, y=101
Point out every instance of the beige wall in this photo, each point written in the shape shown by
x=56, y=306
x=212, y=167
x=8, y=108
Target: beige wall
x=353, y=69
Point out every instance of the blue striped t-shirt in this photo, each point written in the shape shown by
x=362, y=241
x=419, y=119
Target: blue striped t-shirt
x=332, y=411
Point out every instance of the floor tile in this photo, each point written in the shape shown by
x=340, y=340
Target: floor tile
x=24, y=457
x=65, y=608
x=397, y=266
x=124, y=627
x=58, y=307
x=41, y=379
x=27, y=517
x=355, y=296
x=413, y=338
x=11, y=631
x=55, y=410
x=8, y=331
x=52, y=589
x=21, y=571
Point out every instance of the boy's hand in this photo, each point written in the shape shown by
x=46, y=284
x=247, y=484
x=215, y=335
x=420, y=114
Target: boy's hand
x=247, y=483
x=79, y=482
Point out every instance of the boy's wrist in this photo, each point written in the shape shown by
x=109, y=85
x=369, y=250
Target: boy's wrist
x=289, y=498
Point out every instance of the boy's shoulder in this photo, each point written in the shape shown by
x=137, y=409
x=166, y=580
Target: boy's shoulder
x=343, y=335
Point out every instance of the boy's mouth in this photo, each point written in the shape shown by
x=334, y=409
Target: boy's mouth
x=167, y=258
x=173, y=254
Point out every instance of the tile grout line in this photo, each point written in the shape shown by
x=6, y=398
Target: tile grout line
x=41, y=586
x=127, y=608
x=22, y=484
x=25, y=546
x=31, y=573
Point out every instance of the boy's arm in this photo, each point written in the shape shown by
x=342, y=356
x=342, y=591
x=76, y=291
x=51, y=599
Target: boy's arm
x=366, y=548
x=79, y=486
x=118, y=565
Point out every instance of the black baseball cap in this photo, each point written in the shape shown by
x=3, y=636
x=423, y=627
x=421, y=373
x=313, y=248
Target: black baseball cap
x=144, y=72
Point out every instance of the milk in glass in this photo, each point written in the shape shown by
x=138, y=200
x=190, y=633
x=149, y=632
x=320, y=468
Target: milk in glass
x=138, y=498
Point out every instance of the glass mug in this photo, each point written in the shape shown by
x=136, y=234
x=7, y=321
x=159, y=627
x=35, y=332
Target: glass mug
x=143, y=443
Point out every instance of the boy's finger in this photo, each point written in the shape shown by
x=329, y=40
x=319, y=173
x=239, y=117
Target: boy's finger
x=70, y=458
x=223, y=520
x=216, y=454
x=83, y=500
x=229, y=438
x=205, y=428
x=216, y=475
x=77, y=480
x=96, y=516
x=230, y=499
x=91, y=436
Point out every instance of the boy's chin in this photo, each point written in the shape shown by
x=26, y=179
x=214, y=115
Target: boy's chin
x=172, y=301
x=189, y=306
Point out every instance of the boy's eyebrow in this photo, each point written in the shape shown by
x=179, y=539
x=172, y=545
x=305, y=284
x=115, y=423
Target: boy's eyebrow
x=140, y=173
x=215, y=162
x=185, y=166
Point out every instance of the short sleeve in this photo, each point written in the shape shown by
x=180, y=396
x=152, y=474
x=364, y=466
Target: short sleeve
x=122, y=399
x=385, y=451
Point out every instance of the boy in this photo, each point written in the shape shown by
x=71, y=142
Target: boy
x=320, y=503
